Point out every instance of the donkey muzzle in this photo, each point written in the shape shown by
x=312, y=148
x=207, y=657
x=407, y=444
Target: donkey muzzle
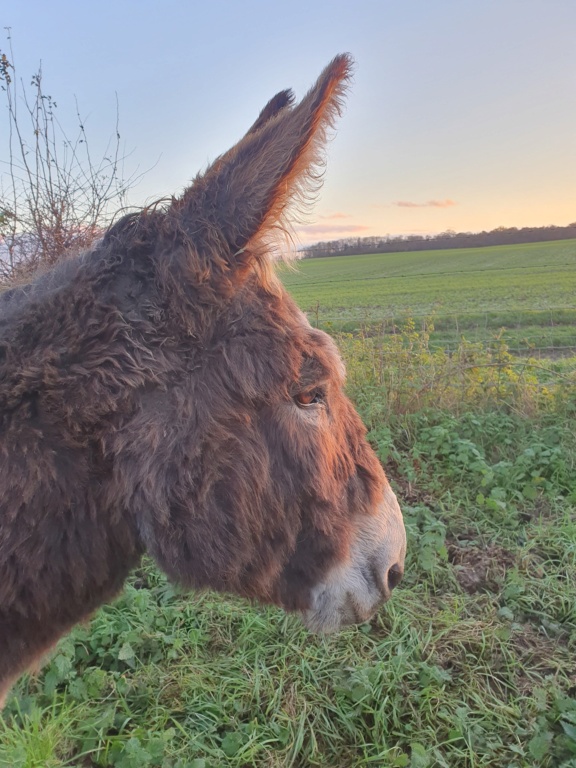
x=354, y=590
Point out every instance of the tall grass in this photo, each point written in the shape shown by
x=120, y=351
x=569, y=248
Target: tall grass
x=398, y=372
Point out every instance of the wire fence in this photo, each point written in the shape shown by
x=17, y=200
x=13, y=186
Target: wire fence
x=548, y=332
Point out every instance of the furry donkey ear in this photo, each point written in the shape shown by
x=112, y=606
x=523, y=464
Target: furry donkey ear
x=274, y=107
x=234, y=206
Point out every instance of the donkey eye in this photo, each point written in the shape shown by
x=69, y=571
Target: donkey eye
x=311, y=397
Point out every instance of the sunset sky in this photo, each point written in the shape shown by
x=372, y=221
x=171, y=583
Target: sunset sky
x=462, y=113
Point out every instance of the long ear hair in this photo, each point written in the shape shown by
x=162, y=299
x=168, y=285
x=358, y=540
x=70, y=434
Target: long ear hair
x=232, y=209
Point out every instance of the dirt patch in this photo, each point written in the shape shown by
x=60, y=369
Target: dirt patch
x=478, y=567
x=408, y=493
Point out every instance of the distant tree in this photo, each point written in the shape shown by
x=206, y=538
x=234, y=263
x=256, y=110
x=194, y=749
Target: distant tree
x=55, y=197
x=448, y=239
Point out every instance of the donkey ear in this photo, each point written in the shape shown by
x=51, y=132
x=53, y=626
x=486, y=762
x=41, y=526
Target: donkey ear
x=245, y=193
x=274, y=107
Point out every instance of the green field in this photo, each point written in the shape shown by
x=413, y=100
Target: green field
x=472, y=664
x=476, y=290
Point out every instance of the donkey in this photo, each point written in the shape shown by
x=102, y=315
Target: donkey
x=162, y=393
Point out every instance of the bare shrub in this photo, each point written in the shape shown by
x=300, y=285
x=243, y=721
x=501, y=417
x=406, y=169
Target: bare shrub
x=55, y=196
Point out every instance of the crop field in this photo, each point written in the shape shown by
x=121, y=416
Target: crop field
x=528, y=289
x=472, y=664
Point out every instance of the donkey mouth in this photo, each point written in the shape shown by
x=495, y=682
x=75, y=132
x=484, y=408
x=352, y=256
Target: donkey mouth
x=329, y=615
x=328, y=620
x=353, y=598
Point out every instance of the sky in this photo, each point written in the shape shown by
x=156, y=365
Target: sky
x=461, y=115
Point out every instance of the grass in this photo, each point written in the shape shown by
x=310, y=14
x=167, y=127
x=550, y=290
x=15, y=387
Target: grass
x=471, y=665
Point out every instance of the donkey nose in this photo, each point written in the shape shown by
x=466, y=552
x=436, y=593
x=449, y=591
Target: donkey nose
x=395, y=574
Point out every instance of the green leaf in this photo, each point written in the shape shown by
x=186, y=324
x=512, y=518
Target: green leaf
x=126, y=652
x=569, y=730
x=359, y=692
x=529, y=492
x=427, y=559
x=231, y=743
x=282, y=733
x=420, y=757
x=539, y=745
x=63, y=664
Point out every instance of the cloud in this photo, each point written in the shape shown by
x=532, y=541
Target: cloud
x=429, y=204
x=330, y=230
x=336, y=216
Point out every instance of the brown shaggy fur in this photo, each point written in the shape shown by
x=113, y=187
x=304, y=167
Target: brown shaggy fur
x=147, y=403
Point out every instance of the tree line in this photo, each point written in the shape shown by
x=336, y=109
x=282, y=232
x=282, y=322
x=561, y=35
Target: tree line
x=353, y=246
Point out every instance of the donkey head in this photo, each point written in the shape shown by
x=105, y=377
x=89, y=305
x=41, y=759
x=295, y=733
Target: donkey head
x=247, y=467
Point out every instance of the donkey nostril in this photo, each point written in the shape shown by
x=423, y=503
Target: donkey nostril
x=394, y=576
